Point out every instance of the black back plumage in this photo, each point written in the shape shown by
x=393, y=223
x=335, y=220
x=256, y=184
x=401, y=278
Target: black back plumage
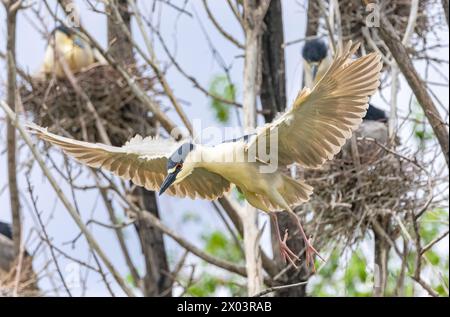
x=375, y=114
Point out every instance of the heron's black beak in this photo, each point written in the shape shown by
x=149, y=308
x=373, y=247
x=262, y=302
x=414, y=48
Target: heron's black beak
x=314, y=68
x=170, y=178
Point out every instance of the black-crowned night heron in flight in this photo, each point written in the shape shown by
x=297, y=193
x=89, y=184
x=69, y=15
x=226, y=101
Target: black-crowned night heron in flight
x=316, y=61
x=74, y=49
x=311, y=132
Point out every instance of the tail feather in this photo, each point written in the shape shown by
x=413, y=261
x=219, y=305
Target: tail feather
x=295, y=191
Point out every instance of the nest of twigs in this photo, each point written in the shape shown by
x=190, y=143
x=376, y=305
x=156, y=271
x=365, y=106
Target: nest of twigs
x=25, y=285
x=353, y=19
x=55, y=103
x=17, y=277
x=348, y=196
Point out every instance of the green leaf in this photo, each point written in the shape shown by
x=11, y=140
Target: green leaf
x=130, y=280
x=422, y=130
x=236, y=290
x=441, y=290
x=206, y=286
x=331, y=266
x=218, y=244
x=355, y=276
x=221, y=86
x=431, y=224
x=433, y=257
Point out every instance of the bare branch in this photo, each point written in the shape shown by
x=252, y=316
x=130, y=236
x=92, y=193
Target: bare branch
x=254, y=12
x=237, y=14
x=165, y=121
x=45, y=236
x=277, y=288
x=119, y=234
x=435, y=240
x=90, y=239
x=152, y=63
x=192, y=78
x=11, y=20
x=405, y=64
x=219, y=28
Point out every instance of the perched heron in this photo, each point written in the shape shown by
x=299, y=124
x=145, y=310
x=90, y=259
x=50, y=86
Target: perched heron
x=311, y=132
x=73, y=49
x=316, y=62
x=375, y=114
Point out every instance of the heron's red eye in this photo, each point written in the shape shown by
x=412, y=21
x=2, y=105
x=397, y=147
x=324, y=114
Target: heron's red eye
x=179, y=165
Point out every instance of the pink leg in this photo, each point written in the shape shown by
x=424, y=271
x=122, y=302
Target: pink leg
x=310, y=250
x=286, y=253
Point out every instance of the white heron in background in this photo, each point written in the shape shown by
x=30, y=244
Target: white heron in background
x=74, y=49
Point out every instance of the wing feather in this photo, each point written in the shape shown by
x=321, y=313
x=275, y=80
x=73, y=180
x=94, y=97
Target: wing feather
x=321, y=120
x=141, y=160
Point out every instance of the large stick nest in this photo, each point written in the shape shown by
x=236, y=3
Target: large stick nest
x=348, y=197
x=17, y=278
x=54, y=103
x=354, y=15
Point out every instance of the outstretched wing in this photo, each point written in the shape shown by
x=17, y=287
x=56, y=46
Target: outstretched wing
x=141, y=160
x=321, y=120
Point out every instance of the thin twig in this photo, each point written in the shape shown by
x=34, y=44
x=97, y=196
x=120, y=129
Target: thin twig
x=90, y=239
x=140, y=94
x=192, y=78
x=219, y=28
x=432, y=243
x=152, y=62
x=277, y=288
x=46, y=237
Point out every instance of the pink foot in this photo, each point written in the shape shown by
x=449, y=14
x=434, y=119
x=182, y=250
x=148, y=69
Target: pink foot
x=310, y=252
x=287, y=253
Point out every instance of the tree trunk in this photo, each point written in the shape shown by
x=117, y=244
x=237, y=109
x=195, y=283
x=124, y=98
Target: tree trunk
x=254, y=12
x=119, y=44
x=312, y=24
x=156, y=280
x=273, y=87
x=249, y=215
x=273, y=99
x=11, y=18
x=381, y=254
x=445, y=7
x=312, y=18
